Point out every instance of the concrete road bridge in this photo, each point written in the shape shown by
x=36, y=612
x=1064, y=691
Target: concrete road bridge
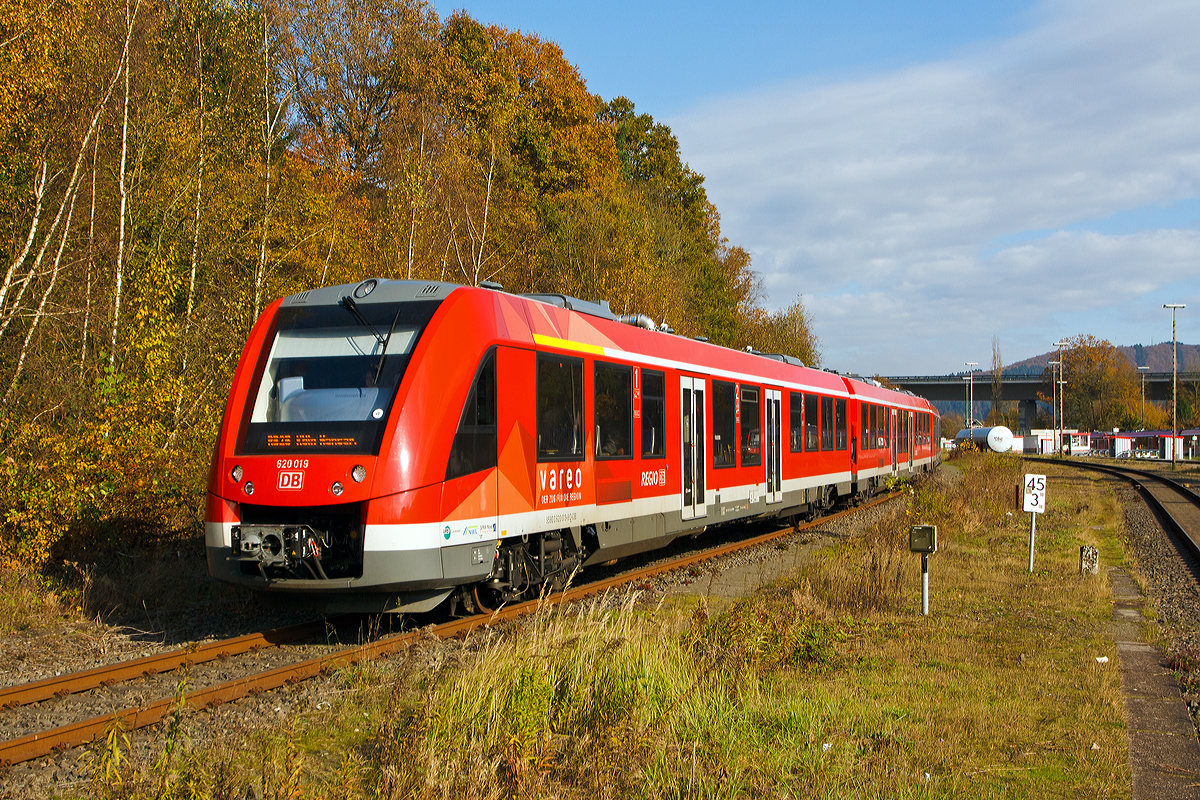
x=1020, y=389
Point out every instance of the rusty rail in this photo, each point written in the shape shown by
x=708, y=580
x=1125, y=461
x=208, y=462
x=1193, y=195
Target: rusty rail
x=40, y=744
x=1187, y=529
x=60, y=686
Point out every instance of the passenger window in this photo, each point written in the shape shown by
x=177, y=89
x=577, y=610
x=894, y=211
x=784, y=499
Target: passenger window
x=796, y=412
x=751, y=427
x=559, y=408
x=826, y=423
x=654, y=414
x=864, y=434
x=474, y=446
x=874, y=443
x=613, y=409
x=841, y=424
x=724, y=432
x=812, y=438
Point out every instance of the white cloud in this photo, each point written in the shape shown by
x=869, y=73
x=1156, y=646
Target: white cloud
x=882, y=199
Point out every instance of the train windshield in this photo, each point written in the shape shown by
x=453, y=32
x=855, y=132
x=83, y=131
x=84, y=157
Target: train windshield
x=329, y=377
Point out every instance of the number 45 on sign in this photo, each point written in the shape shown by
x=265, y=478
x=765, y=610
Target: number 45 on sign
x=1035, y=493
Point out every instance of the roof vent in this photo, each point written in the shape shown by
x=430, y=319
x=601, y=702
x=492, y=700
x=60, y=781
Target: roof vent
x=431, y=288
x=600, y=309
x=786, y=359
x=302, y=297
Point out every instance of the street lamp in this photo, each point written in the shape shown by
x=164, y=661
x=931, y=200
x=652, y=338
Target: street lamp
x=1143, y=370
x=1174, y=384
x=971, y=390
x=1062, y=406
x=967, y=394
x=1054, y=394
x=1054, y=397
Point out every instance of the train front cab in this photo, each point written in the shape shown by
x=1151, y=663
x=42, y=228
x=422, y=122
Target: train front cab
x=326, y=453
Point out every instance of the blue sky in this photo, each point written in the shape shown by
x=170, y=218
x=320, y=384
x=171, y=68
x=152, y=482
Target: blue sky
x=927, y=176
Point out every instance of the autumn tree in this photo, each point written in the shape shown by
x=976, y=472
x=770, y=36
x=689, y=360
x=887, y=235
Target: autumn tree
x=1102, y=390
x=166, y=169
x=786, y=331
x=1001, y=412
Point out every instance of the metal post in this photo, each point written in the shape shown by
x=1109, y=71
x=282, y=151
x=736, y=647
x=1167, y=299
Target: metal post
x=1062, y=423
x=1054, y=402
x=967, y=421
x=1174, y=385
x=971, y=393
x=1143, y=370
x=1032, y=536
x=925, y=584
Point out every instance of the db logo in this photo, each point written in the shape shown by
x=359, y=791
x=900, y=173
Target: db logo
x=291, y=480
x=658, y=478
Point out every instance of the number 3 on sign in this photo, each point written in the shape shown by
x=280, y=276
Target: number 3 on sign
x=1035, y=493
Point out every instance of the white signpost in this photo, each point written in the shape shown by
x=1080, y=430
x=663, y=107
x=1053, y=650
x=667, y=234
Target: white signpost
x=1035, y=503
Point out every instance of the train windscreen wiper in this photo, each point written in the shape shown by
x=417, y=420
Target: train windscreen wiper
x=383, y=354
x=351, y=306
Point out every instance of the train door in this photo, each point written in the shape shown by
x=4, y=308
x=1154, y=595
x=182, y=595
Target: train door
x=912, y=437
x=691, y=412
x=895, y=444
x=774, y=440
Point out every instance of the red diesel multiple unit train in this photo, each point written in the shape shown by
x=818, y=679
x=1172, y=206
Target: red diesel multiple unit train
x=392, y=443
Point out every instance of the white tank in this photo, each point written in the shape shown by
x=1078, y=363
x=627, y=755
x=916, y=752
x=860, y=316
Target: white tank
x=998, y=439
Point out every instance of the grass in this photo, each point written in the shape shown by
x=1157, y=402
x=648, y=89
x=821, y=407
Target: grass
x=135, y=584
x=827, y=684
x=30, y=602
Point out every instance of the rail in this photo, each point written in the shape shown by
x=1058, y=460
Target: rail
x=37, y=691
x=43, y=743
x=1189, y=531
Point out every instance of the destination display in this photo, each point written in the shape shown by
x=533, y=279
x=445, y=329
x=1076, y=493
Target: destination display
x=322, y=437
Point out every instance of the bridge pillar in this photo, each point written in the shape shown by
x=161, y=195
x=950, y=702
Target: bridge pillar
x=1026, y=414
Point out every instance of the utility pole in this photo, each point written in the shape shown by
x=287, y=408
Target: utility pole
x=1054, y=400
x=1143, y=370
x=1062, y=406
x=971, y=395
x=1174, y=385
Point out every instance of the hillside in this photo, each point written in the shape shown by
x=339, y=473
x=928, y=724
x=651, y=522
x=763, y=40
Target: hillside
x=1157, y=357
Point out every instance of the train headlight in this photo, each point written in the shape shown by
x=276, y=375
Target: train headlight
x=249, y=487
x=359, y=473
x=237, y=473
x=365, y=288
x=337, y=488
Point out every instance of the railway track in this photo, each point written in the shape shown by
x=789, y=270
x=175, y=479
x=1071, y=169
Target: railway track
x=1176, y=503
x=37, y=745
x=73, y=683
